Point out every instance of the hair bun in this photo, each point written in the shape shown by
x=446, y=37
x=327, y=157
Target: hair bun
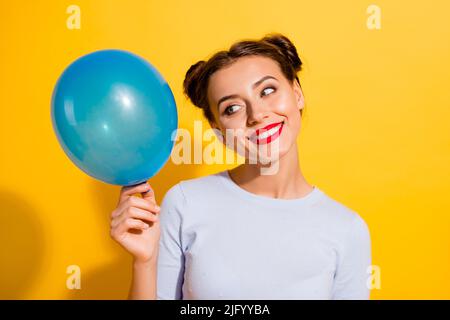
x=191, y=87
x=286, y=47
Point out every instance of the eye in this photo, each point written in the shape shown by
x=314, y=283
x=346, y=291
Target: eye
x=227, y=109
x=267, y=89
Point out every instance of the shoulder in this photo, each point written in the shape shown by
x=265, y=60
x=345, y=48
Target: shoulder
x=201, y=188
x=194, y=189
x=186, y=201
x=343, y=218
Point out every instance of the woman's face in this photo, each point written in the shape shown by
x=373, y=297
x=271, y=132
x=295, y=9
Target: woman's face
x=250, y=94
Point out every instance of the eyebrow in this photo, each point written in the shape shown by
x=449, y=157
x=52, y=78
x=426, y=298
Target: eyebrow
x=257, y=83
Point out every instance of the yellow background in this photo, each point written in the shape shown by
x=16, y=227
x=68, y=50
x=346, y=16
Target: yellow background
x=375, y=135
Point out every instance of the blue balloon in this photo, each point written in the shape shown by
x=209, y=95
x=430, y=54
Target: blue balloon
x=114, y=116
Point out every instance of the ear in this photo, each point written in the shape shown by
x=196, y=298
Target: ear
x=299, y=95
x=213, y=125
x=217, y=131
x=213, y=122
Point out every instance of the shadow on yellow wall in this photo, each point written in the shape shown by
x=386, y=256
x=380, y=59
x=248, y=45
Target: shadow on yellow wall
x=23, y=245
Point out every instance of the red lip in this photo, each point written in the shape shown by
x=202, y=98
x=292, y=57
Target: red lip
x=268, y=127
x=269, y=139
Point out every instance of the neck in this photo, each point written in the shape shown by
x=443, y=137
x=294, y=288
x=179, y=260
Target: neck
x=287, y=182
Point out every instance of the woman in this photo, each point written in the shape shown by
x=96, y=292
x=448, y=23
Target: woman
x=259, y=231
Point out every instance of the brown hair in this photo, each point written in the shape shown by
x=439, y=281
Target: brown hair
x=274, y=45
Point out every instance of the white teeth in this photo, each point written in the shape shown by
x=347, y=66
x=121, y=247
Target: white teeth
x=268, y=133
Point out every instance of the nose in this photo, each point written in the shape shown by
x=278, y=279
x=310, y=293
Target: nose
x=256, y=115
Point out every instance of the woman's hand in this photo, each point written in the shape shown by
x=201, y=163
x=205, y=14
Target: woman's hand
x=135, y=222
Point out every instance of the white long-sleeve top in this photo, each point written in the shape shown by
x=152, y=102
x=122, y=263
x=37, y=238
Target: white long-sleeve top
x=219, y=241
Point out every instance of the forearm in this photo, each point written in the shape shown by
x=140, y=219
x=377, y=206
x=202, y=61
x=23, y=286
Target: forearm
x=143, y=284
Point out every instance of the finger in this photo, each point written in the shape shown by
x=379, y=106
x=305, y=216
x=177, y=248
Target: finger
x=128, y=224
x=122, y=228
x=149, y=194
x=140, y=203
x=128, y=191
x=115, y=213
x=135, y=213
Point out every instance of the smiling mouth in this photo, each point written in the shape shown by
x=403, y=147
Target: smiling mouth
x=267, y=136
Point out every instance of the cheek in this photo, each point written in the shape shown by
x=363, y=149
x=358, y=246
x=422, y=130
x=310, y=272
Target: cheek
x=232, y=132
x=284, y=103
x=234, y=122
x=287, y=107
x=294, y=119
